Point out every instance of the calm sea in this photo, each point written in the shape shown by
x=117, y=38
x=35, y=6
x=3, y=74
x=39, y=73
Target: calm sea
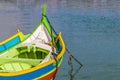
x=91, y=31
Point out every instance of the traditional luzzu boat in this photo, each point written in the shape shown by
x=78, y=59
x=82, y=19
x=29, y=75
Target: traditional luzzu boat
x=35, y=56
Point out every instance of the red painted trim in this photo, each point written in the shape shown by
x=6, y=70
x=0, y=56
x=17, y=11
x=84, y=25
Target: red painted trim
x=49, y=76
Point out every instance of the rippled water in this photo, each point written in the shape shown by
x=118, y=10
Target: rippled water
x=91, y=30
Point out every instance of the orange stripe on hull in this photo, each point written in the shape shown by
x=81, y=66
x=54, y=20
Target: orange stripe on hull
x=49, y=76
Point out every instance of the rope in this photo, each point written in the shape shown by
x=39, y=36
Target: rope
x=66, y=47
x=53, y=51
x=71, y=55
x=74, y=57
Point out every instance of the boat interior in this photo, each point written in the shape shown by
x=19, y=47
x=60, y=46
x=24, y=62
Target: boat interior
x=25, y=57
x=21, y=56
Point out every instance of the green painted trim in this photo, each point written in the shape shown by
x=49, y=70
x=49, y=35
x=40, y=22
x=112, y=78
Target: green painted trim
x=44, y=9
x=60, y=62
x=33, y=62
x=25, y=37
x=26, y=48
x=44, y=22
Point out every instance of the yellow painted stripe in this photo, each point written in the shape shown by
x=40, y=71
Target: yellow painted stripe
x=26, y=71
x=18, y=34
x=59, y=56
x=48, y=72
x=39, y=66
x=8, y=39
x=45, y=74
x=63, y=46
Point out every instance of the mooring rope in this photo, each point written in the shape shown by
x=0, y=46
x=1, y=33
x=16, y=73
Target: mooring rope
x=53, y=51
x=71, y=56
x=66, y=47
x=68, y=51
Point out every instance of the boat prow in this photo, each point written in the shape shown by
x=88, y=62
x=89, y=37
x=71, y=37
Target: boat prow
x=35, y=56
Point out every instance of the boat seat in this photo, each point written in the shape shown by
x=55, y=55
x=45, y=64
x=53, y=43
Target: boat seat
x=15, y=64
x=31, y=52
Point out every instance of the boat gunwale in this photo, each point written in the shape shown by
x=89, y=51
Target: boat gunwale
x=19, y=33
x=60, y=55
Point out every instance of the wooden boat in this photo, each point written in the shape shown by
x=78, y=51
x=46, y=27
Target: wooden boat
x=35, y=56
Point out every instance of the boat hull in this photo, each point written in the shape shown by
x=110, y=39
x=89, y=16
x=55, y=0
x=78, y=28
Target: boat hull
x=46, y=73
x=43, y=71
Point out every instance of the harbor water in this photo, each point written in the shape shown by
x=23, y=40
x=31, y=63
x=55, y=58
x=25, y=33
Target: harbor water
x=90, y=29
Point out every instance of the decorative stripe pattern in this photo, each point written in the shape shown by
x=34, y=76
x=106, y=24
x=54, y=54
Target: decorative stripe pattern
x=39, y=74
x=9, y=44
x=31, y=75
x=45, y=71
x=17, y=38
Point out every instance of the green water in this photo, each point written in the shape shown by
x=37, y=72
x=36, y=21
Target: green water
x=91, y=30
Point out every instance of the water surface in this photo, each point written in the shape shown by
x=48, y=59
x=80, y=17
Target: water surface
x=90, y=29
